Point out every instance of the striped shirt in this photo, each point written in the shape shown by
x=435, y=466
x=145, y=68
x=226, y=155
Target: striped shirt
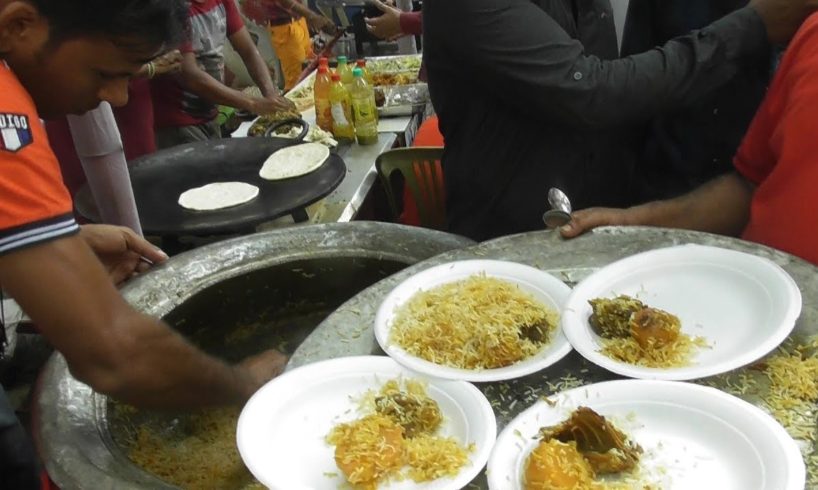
x=35, y=206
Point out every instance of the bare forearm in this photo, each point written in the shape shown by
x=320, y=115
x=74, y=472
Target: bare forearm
x=106, y=343
x=259, y=73
x=243, y=44
x=720, y=206
x=207, y=87
x=159, y=368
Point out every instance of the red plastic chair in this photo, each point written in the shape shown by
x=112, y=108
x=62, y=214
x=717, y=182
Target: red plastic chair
x=428, y=135
x=423, y=181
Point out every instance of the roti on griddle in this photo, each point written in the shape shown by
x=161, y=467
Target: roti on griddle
x=218, y=195
x=294, y=161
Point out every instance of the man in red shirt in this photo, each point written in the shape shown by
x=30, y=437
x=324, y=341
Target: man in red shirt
x=771, y=198
x=185, y=105
x=65, y=57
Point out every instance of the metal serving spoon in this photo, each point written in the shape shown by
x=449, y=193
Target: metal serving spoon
x=560, y=212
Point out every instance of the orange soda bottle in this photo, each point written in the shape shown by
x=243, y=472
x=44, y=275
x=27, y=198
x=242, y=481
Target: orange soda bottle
x=321, y=90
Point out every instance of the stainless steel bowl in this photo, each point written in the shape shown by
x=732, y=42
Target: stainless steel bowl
x=273, y=288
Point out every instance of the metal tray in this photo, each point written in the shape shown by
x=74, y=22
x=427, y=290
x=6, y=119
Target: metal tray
x=403, y=100
x=349, y=330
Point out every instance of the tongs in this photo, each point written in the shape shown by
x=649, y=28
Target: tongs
x=324, y=53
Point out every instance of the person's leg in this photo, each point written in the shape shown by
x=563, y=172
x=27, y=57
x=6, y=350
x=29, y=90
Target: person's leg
x=304, y=38
x=289, y=50
x=19, y=468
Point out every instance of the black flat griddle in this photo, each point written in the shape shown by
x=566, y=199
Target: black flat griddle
x=158, y=180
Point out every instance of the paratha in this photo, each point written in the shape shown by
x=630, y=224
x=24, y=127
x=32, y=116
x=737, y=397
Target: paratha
x=218, y=195
x=294, y=161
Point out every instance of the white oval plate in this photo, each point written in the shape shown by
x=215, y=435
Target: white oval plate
x=543, y=286
x=743, y=305
x=693, y=437
x=282, y=429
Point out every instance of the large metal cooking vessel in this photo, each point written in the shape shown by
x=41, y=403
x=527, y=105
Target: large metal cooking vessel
x=285, y=281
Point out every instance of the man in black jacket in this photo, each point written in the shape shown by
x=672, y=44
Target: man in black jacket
x=531, y=95
x=688, y=146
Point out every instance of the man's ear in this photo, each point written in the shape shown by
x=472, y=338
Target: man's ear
x=21, y=27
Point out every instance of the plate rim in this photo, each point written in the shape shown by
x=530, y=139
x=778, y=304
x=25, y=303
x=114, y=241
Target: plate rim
x=571, y=317
x=796, y=466
x=383, y=366
x=384, y=313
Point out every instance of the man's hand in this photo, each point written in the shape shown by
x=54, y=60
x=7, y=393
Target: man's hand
x=588, y=219
x=783, y=17
x=121, y=250
x=318, y=22
x=270, y=105
x=387, y=26
x=265, y=366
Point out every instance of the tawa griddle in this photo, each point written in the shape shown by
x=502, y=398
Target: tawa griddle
x=158, y=180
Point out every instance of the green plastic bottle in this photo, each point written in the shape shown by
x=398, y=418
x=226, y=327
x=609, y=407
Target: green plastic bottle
x=364, y=111
x=345, y=71
x=367, y=74
x=342, y=127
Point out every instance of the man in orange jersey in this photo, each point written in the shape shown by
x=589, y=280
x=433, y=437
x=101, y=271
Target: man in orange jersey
x=771, y=196
x=65, y=57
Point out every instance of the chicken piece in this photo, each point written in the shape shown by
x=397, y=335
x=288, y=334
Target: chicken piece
x=417, y=415
x=652, y=327
x=536, y=332
x=611, y=317
x=606, y=448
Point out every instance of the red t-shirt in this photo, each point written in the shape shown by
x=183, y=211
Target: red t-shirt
x=135, y=123
x=265, y=11
x=780, y=153
x=35, y=206
x=411, y=23
x=211, y=23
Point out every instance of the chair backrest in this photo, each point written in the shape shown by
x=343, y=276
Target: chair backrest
x=423, y=176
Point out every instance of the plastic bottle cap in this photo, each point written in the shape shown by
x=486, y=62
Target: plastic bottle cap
x=342, y=59
x=336, y=77
x=323, y=61
x=323, y=69
x=357, y=72
x=361, y=63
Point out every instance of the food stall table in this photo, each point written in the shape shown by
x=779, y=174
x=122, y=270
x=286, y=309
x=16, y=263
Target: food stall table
x=344, y=202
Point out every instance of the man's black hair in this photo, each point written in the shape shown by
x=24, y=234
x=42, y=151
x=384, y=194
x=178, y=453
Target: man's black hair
x=138, y=22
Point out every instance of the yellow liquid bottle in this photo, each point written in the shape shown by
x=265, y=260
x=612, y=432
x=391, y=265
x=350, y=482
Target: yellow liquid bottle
x=367, y=74
x=342, y=127
x=365, y=113
x=323, y=108
x=345, y=71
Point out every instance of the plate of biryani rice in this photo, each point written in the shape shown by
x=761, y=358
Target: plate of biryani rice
x=681, y=313
x=475, y=320
x=644, y=435
x=365, y=423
